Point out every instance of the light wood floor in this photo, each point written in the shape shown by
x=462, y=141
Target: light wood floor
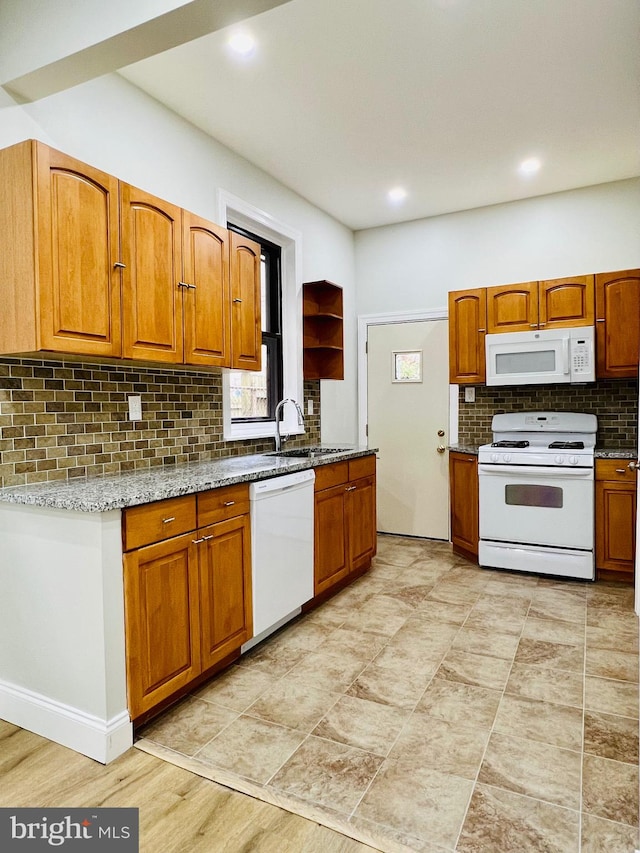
x=178, y=811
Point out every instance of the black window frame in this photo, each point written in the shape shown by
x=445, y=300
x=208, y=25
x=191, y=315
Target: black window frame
x=272, y=335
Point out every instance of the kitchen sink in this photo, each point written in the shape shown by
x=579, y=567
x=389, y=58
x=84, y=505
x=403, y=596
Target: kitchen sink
x=308, y=452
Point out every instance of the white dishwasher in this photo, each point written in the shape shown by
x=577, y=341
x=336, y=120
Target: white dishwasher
x=281, y=550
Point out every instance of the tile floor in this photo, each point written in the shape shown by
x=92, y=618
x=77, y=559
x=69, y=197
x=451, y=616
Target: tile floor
x=439, y=706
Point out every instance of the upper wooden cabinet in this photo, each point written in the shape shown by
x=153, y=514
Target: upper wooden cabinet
x=59, y=247
x=541, y=305
x=322, y=321
x=467, y=329
x=246, y=328
x=93, y=266
x=617, y=323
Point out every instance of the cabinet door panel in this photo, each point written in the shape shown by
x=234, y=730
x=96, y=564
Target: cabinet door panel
x=361, y=515
x=567, y=302
x=467, y=328
x=463, y=480
x=331, y=559
x=512, y=307
x=78, y=236
x=615, y=526
x=162, y=621
x=152, y=300
x=225, y=584
x=246, y=329
x=207, y=304
x=618, y=323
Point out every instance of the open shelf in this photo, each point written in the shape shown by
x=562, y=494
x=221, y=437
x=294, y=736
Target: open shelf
x=322, y=326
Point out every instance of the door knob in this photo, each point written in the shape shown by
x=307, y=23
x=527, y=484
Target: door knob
x=441, y=448
x=634, y=465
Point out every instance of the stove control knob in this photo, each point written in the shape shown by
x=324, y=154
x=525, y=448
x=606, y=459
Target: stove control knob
x=495, y=457
x=559, y=460
x=506, y=457
x=573, y=460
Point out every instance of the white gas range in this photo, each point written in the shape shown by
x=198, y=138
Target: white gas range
x=536, y=494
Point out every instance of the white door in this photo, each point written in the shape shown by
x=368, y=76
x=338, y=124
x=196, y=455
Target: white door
x=637, y=575
x=408, y=419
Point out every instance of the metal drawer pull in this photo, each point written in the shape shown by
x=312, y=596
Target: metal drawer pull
x=119, y=265
x=351, y=488
x=620, y=471
x=228, y=503
x=188, y=286
x=600, y=320
x=197, y=541
x=167, y=520
x=237, y=300
x=206, y=538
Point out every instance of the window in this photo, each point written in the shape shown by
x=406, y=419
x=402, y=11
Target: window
x=254, y=396
x=284, y=330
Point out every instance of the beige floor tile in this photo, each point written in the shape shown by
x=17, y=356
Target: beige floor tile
x=479, y=670
x=550, y=655
x=293, y=704
x=386, y=834
x=484, y=641
x=559, y=725
x=452, y=748
x=504, y=623
x=331, y=774
x=460, y=703
x=237, y=687
x=303, y=634
x=620, y=666
x=611, y=736
x=273, y=661
x=398, y=688
x=557, y=604
x=361, y=723
x=410, y=657
x=502, y=605
x=361, y=645
x=499, y=821
x=620, y=598
x=612, y=697
x=516, y=587
x=604, y=836
x=431, y=807
x=554, y=631
x=252, y=748
x=452, y=593
x=332, y=673
x=624, y=640
x=614, y=620
x=534, y=769
x=441, y=611
x=189, y=726
x=547, y=685
x=610, y=789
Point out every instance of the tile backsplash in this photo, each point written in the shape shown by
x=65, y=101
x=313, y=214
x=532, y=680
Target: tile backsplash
x=68, y=419
x=613, y=401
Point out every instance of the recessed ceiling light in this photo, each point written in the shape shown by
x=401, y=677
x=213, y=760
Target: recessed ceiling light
x=529, y=166
x=242, y=43
x=397, y=195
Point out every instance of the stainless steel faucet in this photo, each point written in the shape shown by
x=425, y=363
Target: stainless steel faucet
x=279, y=408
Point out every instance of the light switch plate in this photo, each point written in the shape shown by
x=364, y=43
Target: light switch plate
x=135, y=407
x=309, y=407
x=470, y=394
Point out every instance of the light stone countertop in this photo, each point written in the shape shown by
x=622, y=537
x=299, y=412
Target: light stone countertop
x=117, y=491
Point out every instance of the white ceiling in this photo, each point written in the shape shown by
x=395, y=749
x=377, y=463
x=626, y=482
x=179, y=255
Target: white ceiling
x=344, y=99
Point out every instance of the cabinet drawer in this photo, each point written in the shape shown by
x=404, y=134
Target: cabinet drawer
x=328, y=476
x=364, y=466
x=226, y=502
x=614, y=469
x=153, y=522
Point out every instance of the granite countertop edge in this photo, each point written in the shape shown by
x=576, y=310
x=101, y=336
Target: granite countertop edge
x=118, y=491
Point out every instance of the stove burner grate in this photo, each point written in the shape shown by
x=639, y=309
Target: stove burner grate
x=566, y=445
x=506, y=443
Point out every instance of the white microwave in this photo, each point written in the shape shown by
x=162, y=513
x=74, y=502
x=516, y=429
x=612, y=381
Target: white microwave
x=538, y=357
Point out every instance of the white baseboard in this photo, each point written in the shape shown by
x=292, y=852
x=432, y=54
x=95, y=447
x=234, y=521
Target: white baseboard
x=102, y=740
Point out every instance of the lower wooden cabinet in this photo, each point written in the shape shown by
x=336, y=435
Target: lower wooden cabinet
x=463, y=486
x=615, y=517
x=345, y=521
x=188, y=599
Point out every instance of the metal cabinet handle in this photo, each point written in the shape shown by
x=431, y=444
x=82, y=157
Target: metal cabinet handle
x=228, y=503
x=119, y=265
x=237, y=300
x=167, y=520
x=482, y=330
x=206, y=538
x=621, y=471
x=533, y=325
x=351, y=488
x=600, y=320
x=197, y=541
x=188, y=286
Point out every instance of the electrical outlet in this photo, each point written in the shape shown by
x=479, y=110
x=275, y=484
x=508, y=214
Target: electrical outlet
x=135, y=407
x=309, y=407
x=470, y=394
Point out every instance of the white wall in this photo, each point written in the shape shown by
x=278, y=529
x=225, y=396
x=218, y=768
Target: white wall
x=112, y=125
x=414, y=265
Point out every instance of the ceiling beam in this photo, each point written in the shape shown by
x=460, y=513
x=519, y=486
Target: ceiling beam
x=195, y=19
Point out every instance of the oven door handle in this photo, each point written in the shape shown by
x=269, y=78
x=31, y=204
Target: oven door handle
x=549, y=472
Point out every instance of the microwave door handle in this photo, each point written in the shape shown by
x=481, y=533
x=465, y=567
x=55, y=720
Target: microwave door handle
x=565, y=355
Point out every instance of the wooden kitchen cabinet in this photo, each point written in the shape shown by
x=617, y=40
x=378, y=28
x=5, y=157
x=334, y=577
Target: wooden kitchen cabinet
x=463, y=488
x=246, y=327
x=188, y=603
x=615, y=519
x=617, y=324
x=555, y=303
x=322, y=329
x=345, y=522
x=59, y=246
x=467, y=329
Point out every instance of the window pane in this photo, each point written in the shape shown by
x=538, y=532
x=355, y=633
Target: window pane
x=249, y=397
